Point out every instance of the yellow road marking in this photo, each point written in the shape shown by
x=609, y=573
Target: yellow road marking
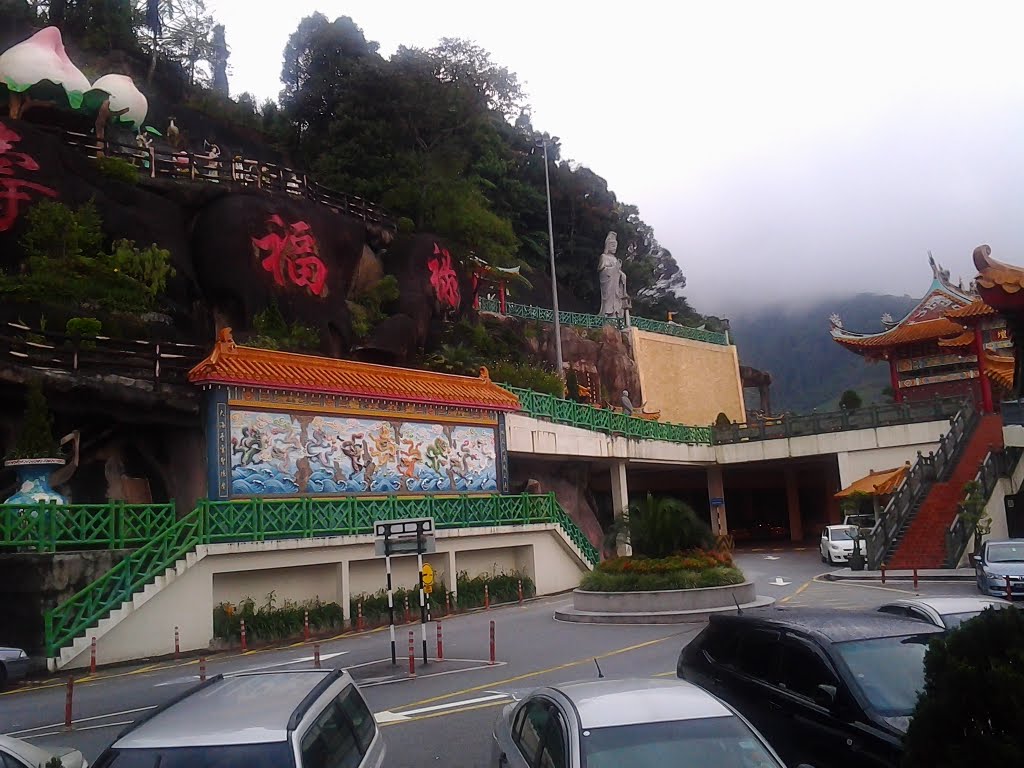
x=665, y=674
x=800, y=589
x=819, y=580
x=536, y=673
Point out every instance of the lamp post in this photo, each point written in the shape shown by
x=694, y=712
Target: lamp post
x=554, y=279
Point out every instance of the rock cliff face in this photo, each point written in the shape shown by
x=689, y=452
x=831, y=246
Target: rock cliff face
x=570, y=482
x=603, y=353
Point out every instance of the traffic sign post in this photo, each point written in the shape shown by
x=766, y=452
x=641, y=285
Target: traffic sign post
x=406, y=537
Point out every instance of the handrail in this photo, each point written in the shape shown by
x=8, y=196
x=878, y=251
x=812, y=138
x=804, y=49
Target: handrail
x=47, y=526
x=997, y=464
x=843, y=420
x=583, y=320
x=215, y=169
x=926, y=470
x=571, y=413
x=259, y=519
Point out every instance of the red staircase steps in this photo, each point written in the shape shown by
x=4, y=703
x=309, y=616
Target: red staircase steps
x=924, y=543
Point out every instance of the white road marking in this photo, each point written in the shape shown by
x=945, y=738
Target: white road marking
x=780, y=582
x=262, y=667
x=17, y=734
x=86, y=728
x=387, y=716
x=770, y=557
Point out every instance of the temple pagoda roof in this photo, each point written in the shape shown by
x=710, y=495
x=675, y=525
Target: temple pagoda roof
x=1000, y=285
x=927, y=321
x=876, y=483
x=999, y=368
x=231, y=364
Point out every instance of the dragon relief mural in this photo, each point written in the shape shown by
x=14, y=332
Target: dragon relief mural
x=275, y=453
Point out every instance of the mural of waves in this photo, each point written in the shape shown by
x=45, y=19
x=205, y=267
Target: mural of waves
x=261, y=480
x=428, y=480
x=322, y=481
x=386, y=482
x=477, y=481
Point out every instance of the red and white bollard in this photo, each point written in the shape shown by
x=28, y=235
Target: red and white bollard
x=412, y=654
x=1009, y=589
x=68, y=705
x=408, y=616
x=316, y=655
x=92, y=657
x=882, y=567
x=202, y=669
x=245, y=645
x=915, y=578
x=359, y=617
x=177, y=644
x=487, y=598
x=492, y=642
x=520, y=591
x=440, y=645
x=305, y=625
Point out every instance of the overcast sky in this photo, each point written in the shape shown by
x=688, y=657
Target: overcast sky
x=779, y=149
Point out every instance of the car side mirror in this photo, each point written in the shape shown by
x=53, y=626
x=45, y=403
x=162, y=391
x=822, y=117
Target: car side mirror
x=825, y=696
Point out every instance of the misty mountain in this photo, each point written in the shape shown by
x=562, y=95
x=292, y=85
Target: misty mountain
x=809, y=369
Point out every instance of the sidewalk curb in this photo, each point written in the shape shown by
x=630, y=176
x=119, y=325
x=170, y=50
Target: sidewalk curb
x=933, y=575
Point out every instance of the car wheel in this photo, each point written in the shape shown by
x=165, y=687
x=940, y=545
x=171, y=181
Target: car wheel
x=830, y=561
x=3, y=677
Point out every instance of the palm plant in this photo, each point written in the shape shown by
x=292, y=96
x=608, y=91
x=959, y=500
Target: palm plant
x=658, y=526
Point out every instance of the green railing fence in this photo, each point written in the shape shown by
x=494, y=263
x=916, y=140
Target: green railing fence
x=582, y=320
x=575, y=414
x=47, y=527
x=268, y=519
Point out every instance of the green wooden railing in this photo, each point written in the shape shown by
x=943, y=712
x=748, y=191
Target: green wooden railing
x=575, y=414
x=47, y=527
x=581, y=320
x=269, y=519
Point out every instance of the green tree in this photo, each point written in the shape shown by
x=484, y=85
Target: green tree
x=35, y=440
x=219, y=54
x=850, y=400
x=973, y=700
x=972, y=512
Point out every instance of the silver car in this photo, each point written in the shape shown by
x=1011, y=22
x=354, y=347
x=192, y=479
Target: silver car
x=14, y=664
x=15, y=753
x=946, y=612
x=997, y=562
x=639, y=723
x=298, y=718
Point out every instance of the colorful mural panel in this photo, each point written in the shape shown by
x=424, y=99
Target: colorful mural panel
x=303, y=453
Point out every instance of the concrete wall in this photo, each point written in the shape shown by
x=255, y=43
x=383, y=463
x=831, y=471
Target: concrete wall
x=859, y=450
x=996, y=510
x=527, y=435
x=690, y=382
x=330, y=568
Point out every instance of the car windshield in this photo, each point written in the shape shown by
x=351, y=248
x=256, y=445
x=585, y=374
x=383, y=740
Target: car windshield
x=889, y=671
x=1005, y=553
x=269, y=755
x=954, y=620
x=713, y=742
x=842, y=534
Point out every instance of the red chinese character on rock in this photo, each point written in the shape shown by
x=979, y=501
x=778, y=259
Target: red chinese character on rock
x=13, y=190
x=292, y=253
x=443, y=278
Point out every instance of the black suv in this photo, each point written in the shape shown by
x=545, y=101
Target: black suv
x=829, y=688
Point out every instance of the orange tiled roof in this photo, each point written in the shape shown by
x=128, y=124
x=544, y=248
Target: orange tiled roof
x=965, y=339
x=880, y=483
x=976, y=308
x=999, y=368
x=905, y=333
x=995, y=274
x=232, y=364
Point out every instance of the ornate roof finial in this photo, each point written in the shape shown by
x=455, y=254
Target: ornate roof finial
x=484, y=373
x=836, y=321
x=887, y=320
x=940, y=274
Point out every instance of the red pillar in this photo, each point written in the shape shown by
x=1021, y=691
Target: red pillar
x=986, y=385
x=501, y=295
x=476, y=291
x=894, y=380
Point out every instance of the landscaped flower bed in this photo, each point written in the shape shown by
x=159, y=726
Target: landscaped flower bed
x=688, y=570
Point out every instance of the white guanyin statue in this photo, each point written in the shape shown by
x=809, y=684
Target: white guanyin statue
x=614, y=299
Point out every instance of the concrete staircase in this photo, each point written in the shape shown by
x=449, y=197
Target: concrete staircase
x=922, y=543
x=81, y=645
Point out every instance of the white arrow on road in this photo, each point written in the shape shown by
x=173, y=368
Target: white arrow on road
x=182, y=680
x=780, y=582
x=387, y=716
x=770, y=557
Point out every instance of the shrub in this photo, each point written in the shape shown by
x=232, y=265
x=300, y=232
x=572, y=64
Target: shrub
x=36, y=441
x=272, y=332
x=149, y=267
x=527, y=377
x=84, y=330
x=602, y=581
x=972, y=706
x=660, y=526
x=116, y=168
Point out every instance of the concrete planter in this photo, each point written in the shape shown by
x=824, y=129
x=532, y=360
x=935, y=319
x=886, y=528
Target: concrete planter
x=669, y=606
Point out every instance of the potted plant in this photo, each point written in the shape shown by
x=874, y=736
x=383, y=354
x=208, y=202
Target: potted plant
x=36, y=454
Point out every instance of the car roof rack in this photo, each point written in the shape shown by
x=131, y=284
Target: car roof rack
x=307, y=702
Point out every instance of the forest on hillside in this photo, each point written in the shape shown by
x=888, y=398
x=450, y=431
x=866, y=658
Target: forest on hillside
x=809, y=369
x=441, y=137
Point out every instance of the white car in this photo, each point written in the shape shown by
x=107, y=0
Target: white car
x=15, y=753
x=945, y=612
x=837, y=543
